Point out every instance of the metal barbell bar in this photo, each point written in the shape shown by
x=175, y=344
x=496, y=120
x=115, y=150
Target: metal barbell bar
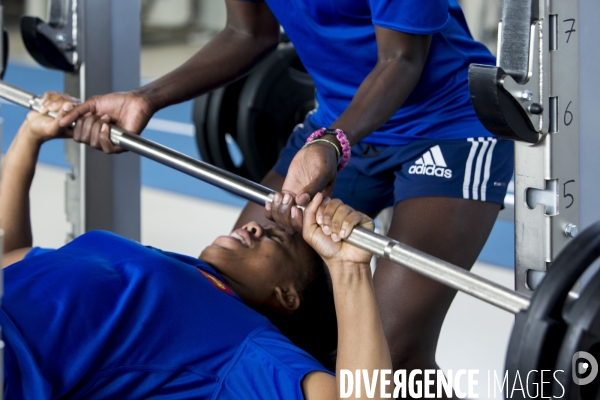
x=379, y=245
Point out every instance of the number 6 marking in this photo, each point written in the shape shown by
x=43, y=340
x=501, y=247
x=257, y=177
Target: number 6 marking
x=565, y=195
x=568, y=114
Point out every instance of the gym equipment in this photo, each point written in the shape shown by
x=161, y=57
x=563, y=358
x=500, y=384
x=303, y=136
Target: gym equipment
x=538, y=333
x=275, y=98
x=199, y=115
x=220, y=121
x=53, y=44
x=213, y=123
x=583, y=324
x=97, y=45
x=4, y=49
x=532, y=97
x=258, y=111
x=540, y=325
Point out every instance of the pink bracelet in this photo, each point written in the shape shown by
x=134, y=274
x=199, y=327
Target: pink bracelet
x=343, y=139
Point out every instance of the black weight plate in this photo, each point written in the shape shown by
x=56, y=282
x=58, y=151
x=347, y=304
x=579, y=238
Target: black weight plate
x=538, y=332
x=199, y=116
x=42, y=49
x=583, y=334
x=221, y=120
x=5, y=44
x=276, y=97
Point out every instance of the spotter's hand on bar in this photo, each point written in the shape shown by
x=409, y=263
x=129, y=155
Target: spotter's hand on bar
x=284, y=212
x=126, y=110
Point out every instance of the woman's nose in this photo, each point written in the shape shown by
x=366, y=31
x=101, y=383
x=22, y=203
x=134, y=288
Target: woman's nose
x=254, y=229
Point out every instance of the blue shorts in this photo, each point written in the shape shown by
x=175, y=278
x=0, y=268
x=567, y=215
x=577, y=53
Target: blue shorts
x=381, y=176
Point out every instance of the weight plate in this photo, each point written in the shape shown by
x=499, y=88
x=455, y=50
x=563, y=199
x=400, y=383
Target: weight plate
x=41, y=48
x=221, y=120
x=5, y=44
x=199, y=116
x=276, y=97
x=583, y=334
x=539, y=331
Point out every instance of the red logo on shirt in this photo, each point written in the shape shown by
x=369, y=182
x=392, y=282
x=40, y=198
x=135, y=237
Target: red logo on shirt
x=216, y=282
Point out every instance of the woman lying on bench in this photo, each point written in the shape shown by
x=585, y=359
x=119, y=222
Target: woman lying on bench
x=105, y=317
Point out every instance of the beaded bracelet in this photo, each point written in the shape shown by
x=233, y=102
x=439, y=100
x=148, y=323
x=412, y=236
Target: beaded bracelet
x=341, y=137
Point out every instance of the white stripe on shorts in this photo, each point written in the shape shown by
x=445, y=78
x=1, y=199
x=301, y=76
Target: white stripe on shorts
x=488, y=164
x=469, y=166
x=478, y=167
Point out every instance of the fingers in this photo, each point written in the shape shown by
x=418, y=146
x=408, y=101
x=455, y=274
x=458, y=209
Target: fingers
x=283, y=211
x=309, y=222
x=330, y=213
x=56, y=102
x=268, y=210
x=337, y=219
x=45, y=128
x=61, y=109
x=57, y=97
x=94, y=131
x=89, y=107
x=310, y=212
x=66, y=107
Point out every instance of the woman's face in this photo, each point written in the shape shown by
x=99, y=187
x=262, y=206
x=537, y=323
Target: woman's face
x=256, y=260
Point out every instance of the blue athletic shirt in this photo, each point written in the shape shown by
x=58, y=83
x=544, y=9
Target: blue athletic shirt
x=105, y=317
x=336, y=42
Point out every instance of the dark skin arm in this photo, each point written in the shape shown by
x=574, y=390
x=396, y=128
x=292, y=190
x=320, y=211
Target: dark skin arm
x=401, y=58
x=251, y=33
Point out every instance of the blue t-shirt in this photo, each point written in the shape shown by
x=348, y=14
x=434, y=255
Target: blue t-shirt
x=336, y=42
x=105, y=317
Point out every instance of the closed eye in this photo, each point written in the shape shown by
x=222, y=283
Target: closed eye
x=278, y=234
x=275, y=235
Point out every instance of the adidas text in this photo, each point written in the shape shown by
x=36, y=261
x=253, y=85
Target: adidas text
x=430, y=170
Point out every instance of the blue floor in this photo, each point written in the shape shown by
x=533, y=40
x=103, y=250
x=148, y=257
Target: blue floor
x=498, y=250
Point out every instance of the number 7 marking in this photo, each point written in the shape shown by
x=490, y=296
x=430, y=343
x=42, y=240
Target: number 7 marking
x=572, y=21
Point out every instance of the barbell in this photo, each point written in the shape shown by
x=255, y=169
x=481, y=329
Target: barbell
x=549, y=329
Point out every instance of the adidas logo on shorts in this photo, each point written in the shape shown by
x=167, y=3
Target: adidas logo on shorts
x=431, y=163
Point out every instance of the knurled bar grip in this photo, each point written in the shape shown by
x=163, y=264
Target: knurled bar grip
x=418, y=261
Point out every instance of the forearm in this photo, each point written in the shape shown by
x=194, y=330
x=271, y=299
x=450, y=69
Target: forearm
x=18, y=169
x=228, y=56
x=379, y=96
x=361, y=340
